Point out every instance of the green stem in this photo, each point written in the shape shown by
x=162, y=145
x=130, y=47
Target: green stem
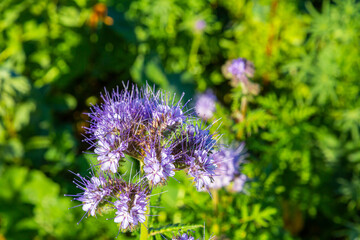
x=215, y=202
x=193, y=52
x=144, y=230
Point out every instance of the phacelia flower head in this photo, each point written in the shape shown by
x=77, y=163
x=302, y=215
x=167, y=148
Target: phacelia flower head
x=95, y=190
x=192, y=151
x=113, y=126
x=131, y=205
x=117, y=115
x=205, y=105
x=229, y=162
x=164, y=111
x=198, y=138
x=159, y=165
x=125, y=118
x=167, y=116
x=110, y=150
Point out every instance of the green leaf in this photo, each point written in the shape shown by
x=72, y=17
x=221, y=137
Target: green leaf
x=154, y=73
x=173, y=228
x=38, y=187
x=22, y=114
x=14, y=179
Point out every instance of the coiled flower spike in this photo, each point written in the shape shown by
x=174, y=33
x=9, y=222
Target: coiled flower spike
x=95, y=191
x=158, y=167
x=131, y=205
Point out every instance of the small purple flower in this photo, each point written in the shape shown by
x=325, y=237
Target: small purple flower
x=168, y=116
x=95, y=191
x=110, y=150
x=131, y=206
x=241, y=68
x=200, y=25
x=202, y=169
x=159, y=167
x=205, y=105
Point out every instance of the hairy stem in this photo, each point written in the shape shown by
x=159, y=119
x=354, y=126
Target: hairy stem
x=144, y=230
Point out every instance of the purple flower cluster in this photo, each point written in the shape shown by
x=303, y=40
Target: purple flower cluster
x=205, y=105
x=194, y=152
x=228, y=171
x=239, y=71
x=159, y=167
x=130, y=206
x=95, y=191
x=153, y=128
x=112, y=127
x=202, y=169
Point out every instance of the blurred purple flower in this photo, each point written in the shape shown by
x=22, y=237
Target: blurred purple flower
x=200, y=25
x=239, y=71
x=239, y=182
x=240, y=68
x=205, y=105
x=229, y=161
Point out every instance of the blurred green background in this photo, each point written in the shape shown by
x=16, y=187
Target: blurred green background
x=302, y=130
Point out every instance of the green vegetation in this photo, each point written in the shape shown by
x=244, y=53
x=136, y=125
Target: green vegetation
x=302, y=130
